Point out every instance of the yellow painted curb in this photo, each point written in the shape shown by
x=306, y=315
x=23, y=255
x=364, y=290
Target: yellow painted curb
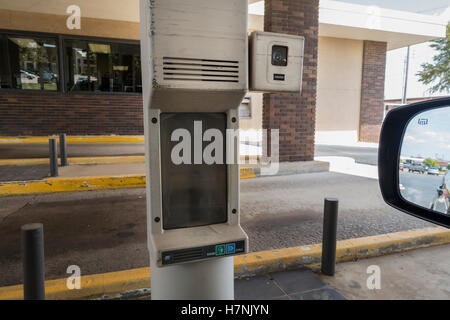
x=92, y=286
x=73, y=139
x=248, y=265
x=56, y=185
x=75, y=161
x=247, y=173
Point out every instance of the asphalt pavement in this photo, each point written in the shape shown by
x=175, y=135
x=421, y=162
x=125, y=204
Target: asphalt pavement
x=105, y=231
x=420, y=189
x=363, y=155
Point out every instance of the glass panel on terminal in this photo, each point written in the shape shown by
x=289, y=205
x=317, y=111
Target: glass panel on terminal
x=192, y=194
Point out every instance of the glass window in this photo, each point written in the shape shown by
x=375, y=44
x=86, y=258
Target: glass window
x=102, y=67
x=245, y=109
x=28, y=63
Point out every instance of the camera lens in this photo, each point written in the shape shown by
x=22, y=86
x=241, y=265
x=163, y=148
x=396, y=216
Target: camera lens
x=279, y=56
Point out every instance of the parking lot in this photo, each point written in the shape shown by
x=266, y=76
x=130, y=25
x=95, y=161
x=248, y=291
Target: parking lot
x=421, y=189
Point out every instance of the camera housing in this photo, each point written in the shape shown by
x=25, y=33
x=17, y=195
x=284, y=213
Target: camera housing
x=276, y=62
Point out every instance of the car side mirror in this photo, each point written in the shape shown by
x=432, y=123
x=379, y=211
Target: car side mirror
x=414, y=158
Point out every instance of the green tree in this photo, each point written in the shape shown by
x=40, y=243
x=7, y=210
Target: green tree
x=431, y=163
x=438, y=73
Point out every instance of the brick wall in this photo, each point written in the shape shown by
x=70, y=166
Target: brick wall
x=40, y=114
x=293, y=114
x=372, y=90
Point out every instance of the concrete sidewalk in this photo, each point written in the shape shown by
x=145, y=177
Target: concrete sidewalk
x=139, y=168
x=101, y=170
x=414, y=275
x=28, y=151
x=301, y=284
x=420, y=274
x=24, y=173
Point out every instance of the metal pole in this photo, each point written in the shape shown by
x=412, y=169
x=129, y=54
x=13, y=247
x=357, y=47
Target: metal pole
x=33, y=261
x=203, y=280
x=329, y=236
x=63, y=149
x=405, y=79
x=53, y=148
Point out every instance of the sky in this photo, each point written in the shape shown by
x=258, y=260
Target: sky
x=395, y=63
x=428, y=135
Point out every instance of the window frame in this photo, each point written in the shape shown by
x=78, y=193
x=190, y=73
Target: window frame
x=59, y=40
x=6, y=33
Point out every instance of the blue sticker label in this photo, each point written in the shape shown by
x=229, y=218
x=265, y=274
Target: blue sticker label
x=231, y=248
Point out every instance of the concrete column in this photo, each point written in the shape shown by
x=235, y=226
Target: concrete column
x=294, y=114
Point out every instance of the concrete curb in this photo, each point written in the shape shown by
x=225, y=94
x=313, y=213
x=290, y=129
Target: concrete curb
x=112, y=284
x=56, y=185
x=78, y=184
x=74, y=161
x=73, y=139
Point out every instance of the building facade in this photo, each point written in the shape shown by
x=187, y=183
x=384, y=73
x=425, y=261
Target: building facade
x=58, y=79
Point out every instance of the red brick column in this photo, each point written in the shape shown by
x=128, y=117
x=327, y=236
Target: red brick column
x=294, y=114
x=372, y=90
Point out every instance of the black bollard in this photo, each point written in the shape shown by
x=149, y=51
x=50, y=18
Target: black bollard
x=63, y=149
x=33, y=261
x=53, y=149
x=330, y=220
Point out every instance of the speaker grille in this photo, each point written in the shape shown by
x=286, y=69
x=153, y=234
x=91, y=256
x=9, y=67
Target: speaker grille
x=186, y=69
x=187, y=255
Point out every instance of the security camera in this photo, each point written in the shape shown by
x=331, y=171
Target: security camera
x=280, y=56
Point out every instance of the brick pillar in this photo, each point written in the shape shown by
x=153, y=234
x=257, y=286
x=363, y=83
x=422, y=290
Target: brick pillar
x=294, y=114
x=372, y=90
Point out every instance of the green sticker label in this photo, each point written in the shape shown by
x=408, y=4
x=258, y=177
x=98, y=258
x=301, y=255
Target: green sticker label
x=220, y=250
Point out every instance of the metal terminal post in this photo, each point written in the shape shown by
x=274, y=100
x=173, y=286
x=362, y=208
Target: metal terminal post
x=33, y=261
x=330, y=220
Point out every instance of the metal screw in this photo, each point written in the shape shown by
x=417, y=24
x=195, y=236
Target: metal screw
x=234, y=211
x=154, y=121
x=157, y=219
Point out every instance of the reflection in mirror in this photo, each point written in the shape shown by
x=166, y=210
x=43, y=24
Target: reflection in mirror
x=425, y=160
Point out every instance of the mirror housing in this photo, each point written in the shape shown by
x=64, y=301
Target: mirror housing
x=392, y=132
